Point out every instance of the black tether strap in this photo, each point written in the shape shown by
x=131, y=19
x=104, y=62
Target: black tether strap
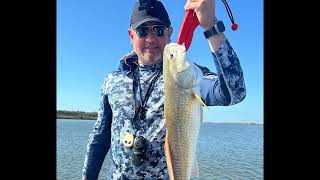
x=148, y=93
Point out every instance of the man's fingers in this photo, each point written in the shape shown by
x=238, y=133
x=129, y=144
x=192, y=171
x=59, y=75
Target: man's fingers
x=190, y=5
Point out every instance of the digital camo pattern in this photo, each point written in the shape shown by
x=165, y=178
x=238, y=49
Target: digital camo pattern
x=99, y=140
x=119, y=91
x=120, y=100
x=228, y=67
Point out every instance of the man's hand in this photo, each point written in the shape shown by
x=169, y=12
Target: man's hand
x=205, y=10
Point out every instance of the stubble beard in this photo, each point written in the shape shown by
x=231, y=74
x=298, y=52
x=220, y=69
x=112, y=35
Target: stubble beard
x=150, y=59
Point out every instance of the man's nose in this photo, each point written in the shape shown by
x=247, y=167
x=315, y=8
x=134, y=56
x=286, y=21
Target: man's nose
x=151, y=36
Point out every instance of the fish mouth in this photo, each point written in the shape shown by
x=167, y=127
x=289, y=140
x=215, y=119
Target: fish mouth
x=174, y=50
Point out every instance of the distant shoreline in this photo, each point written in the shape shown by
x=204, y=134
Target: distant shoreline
x=62, y=114
x=80, y=115
x=83, y=118
x=242, y=123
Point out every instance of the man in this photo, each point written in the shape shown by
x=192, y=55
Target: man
x=130, y=121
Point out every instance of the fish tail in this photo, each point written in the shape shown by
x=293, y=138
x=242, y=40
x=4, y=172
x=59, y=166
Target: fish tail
x=195, y=169
x=201, y=115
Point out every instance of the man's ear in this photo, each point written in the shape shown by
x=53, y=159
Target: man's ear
x=130, y=33
x=170, y=30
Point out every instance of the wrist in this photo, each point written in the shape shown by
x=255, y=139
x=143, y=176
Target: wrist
x=216, y=41
x=216, y=28
x=211, y=24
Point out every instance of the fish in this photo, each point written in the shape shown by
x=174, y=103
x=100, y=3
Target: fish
x=183, y=111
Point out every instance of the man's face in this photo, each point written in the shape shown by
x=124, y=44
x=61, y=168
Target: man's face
x=149, y=49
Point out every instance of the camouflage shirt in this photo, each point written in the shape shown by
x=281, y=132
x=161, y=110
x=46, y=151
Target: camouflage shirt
x=119, y=103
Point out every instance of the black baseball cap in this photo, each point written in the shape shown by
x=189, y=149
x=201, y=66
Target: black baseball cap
x=141, y=15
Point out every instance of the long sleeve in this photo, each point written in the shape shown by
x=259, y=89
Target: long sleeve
x=227, y=87
x=99, y=140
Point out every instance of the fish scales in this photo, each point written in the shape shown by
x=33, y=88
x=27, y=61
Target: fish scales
x=182, y=110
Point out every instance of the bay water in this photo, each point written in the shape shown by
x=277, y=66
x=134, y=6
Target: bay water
x=226, y=151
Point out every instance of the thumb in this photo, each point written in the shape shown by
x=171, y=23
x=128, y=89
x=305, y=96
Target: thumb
x=189, y=6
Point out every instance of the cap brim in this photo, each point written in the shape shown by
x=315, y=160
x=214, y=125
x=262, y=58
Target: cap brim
x=135, y=25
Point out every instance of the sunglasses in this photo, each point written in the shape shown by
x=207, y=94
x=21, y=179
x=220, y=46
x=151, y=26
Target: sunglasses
x=158, y=30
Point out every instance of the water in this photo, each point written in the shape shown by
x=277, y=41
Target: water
x=226, y=151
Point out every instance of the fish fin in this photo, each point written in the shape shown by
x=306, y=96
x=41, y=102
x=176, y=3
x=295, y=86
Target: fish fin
x=195, y=169
x=168, y=157
x=200, y=100
x=201, y=107
x=201, y=114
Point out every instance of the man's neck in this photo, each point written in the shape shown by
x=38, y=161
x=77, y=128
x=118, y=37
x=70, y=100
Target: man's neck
x=148, y=62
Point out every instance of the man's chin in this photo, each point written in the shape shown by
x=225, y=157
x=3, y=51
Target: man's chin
x=152, y=58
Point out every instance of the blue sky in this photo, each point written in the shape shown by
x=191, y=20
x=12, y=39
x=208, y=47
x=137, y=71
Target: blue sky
x=92, y=37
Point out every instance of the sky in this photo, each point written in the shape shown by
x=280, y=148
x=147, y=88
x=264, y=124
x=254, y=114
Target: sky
x=92, y=36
